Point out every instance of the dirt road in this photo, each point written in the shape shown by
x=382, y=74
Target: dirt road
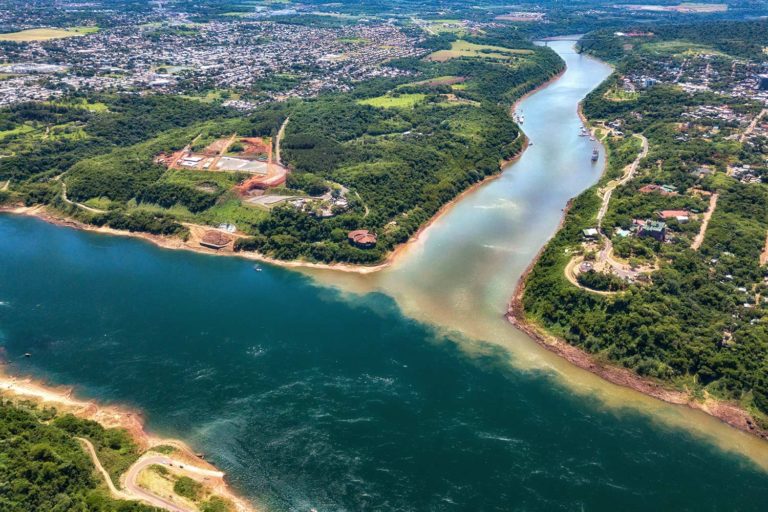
x=279, y=138
x=753, y=124
x=704, y=223
x=133, y=491
x=629, y=173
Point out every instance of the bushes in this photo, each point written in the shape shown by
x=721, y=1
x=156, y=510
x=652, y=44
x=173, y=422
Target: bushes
x=140, y=220
x=188, y=488
x=115, y=448
x=309, y=183
x=601, y=281
x=45, y=468
x=169, y=194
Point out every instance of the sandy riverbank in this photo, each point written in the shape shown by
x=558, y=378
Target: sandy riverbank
x=176, y=243
x=192, y=244
x=111, y=416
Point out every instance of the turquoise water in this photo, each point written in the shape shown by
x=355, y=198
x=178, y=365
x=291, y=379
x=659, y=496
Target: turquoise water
x=311, y=396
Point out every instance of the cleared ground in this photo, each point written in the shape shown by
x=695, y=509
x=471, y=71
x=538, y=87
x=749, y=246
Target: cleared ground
x=394, y=101
x=45, y=34
x=463, y=48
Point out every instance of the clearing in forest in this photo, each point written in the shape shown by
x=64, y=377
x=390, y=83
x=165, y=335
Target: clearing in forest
x=394, y=100
x=462, y=48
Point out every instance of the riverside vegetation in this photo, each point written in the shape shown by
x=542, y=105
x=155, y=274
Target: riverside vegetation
x=402, y=148
x=700, y=323
x=45, y=468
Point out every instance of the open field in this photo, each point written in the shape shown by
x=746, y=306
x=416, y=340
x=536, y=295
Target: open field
x=444, y=26
x=394, y=101
x=689, y=7
x=463, y=48
x=617, y=95
x=681, y=48
x=437, y=81
x=45, y=34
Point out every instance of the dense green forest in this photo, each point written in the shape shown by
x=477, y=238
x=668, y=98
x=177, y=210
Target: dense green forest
x=400, y=148
x=43, y=466
x=745, y=39
x=701, y=323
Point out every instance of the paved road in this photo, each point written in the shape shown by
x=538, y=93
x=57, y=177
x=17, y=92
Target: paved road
x=132, y=489
x=605, y=256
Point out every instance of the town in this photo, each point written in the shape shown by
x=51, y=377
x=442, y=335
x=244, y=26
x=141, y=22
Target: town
x=245, y=63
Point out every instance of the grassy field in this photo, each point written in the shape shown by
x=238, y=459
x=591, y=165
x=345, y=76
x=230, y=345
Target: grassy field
x=620, y=95
x=16, y=131
x=394, y=101
x=434, y=82
x=679, y=48
x=352, y=40
x=95, y=106
x=445, y=26
x=45, y=34
x=463, y=48
x=214, y=95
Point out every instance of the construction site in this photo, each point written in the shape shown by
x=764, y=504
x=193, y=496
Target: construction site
x=251, y=155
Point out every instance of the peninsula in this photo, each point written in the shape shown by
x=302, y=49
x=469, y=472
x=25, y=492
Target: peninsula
x=656, y=279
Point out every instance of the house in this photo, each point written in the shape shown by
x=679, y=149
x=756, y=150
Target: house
x=590, y=233
x=653, y=229
x=682, y=216
x=362, y=238
x=665, y=190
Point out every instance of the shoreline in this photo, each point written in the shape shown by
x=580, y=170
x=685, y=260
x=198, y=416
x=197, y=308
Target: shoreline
x=175, y=243
x=111, y=416
x=728, y=412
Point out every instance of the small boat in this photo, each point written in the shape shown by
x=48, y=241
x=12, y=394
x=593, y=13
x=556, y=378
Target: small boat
x=530, y=143
x=27, y=354
x=595, y=155
x=592, y=139
x=257, y=268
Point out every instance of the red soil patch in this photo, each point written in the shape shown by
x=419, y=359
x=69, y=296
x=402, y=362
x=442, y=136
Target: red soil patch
x=256, y=146
x=216, y=147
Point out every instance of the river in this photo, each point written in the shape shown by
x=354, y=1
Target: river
x=400, y=390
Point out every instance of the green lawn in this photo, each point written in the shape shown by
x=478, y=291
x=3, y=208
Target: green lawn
x=394, y=100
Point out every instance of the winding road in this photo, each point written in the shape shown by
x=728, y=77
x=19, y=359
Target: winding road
x=605, y=257
x=133, y=491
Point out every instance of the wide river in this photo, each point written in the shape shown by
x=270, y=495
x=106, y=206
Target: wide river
x=401, y=390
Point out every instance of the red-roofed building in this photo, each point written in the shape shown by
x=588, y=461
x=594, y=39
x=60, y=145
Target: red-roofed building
x=679, y=215
x=362, y=238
